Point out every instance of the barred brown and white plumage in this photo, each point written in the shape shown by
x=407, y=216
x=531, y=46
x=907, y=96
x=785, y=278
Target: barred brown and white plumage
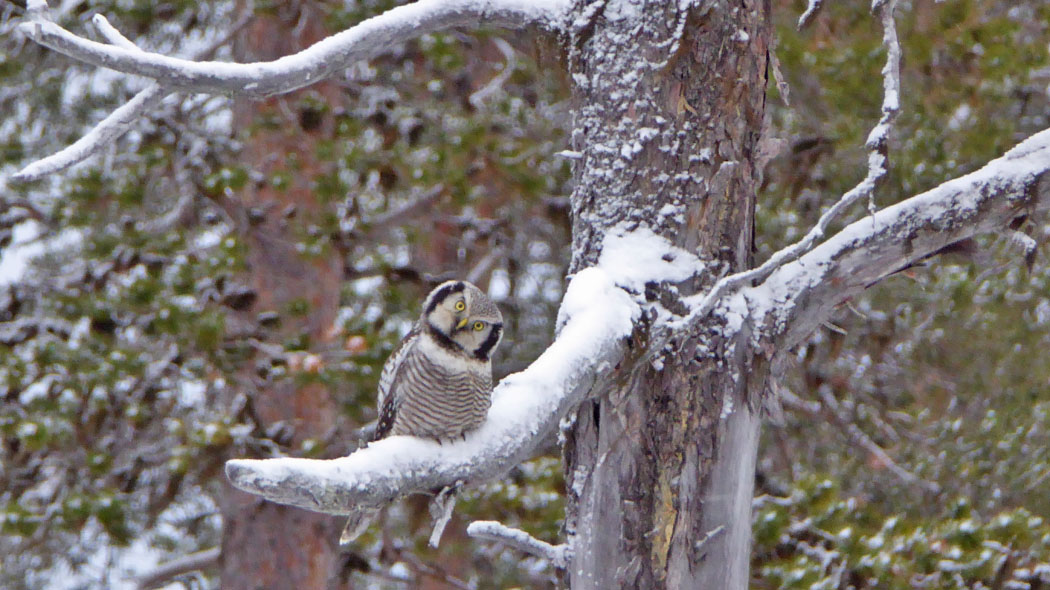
x=437, y=383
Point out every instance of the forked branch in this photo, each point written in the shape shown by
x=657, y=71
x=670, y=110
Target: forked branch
x=120, y=120
x=367, y=39
x=322, y=60
x=801, y=295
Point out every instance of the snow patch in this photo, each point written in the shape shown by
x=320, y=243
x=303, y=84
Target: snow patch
x=640, y=256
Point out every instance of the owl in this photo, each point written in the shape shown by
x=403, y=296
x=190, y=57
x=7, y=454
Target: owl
x=437, y=383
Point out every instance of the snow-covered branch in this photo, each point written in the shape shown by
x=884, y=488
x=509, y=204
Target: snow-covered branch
x=876, y=143
x=367, y=39
x=812, y=9
x=525, y=410
x=558, y=555
x=120, y=120
x=800, y=295
x=595, y=318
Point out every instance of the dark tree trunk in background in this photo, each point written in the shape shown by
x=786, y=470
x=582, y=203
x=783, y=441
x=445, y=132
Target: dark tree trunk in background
x=267, y=545
x=660, y=470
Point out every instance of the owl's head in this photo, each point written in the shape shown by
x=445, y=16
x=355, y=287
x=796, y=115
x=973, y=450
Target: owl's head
x=462, y=317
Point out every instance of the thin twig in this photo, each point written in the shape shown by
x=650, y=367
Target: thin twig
x=163, y=573
x=812, y=9
x=558, y=555
x=876, y=144
x=404, y=213
x=859, y=437
x=441, y=509
x=477, y=100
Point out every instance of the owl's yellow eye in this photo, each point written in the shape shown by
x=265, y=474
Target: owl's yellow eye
x=460, y=306
x=479, y=326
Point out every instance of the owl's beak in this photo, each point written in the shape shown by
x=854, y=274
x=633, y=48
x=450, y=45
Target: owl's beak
x=461, y=324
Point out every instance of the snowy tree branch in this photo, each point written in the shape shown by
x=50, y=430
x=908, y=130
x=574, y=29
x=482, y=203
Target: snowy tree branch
x=526, y=407
x=120, y=120
x=369, y=38
x=596, y=316
x=558, y=555
x=812, y=9
x=799, y=296
x=876, y=144
x=106, y=132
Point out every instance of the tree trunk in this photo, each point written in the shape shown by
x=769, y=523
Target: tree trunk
x=660, y=470
x=267, y=545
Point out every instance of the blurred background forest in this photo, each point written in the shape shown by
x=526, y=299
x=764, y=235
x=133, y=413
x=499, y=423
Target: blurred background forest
x=227, y=281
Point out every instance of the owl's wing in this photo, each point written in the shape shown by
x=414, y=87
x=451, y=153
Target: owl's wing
x=393, y=363
x=386, y=403
x=387, y=415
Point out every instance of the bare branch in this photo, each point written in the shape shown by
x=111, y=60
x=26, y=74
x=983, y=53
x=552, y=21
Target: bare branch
x=481, y=95
x=558, y=555
x=799, y=296
x=405, y=213
x=323, y=59
x=441, y=511
x=848, y=427
x=200, y=560
x=859, y=437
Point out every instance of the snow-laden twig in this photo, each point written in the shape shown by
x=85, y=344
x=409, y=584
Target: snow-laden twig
x=800, y=295
x=478, y=98
x=812, y=9
x=367, y=39
x=595, y=317
x=876, y=144
x=106, y=132
x=558, y=555
x=120, y=120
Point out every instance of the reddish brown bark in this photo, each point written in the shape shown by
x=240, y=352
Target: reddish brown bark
x=266, y=545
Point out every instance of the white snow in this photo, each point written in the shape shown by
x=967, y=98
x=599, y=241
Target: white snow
x=23, y=247
x=190, y=393
x=634, y=258
x=37, y=390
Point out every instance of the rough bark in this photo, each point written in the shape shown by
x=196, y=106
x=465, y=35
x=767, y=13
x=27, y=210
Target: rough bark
x=660, y=470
